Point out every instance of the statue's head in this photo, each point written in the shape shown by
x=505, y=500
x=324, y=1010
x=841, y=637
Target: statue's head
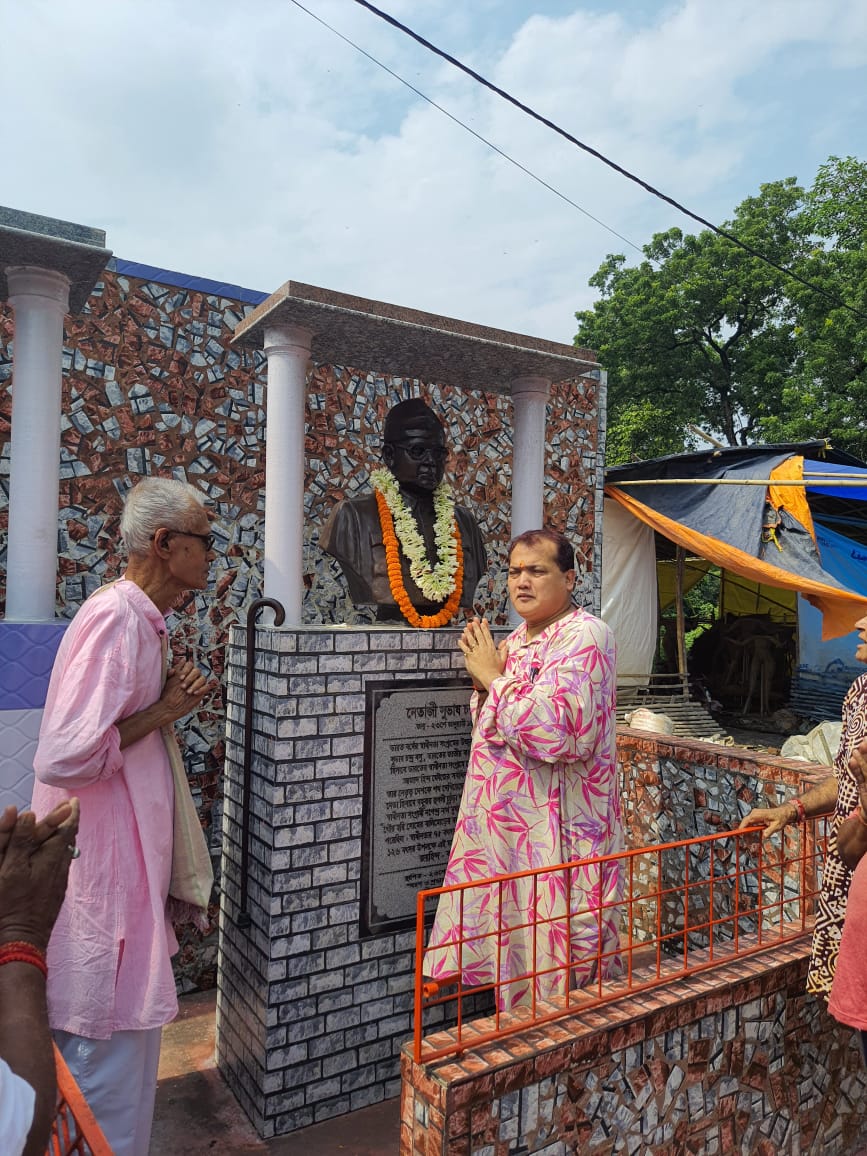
x=414, y=446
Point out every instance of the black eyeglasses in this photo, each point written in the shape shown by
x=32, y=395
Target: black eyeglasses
x=417, y=452
x=208, y=539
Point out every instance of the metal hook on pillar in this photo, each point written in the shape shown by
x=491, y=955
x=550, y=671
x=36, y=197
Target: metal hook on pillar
x=244, y=919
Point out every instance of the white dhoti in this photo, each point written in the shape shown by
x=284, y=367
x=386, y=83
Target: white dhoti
x=118, y=1078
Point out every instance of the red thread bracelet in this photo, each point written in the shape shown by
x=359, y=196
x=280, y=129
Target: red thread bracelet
x=19, y=951
x=800, y=809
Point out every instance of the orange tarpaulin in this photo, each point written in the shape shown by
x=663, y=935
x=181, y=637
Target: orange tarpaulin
x=840, y=609
x=792, y=498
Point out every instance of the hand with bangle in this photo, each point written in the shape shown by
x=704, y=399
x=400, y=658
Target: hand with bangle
x=34, y=866
x=800, y=810
x=773, y=819
x=819, y=800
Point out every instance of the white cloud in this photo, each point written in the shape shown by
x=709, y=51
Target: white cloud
x=249, y=144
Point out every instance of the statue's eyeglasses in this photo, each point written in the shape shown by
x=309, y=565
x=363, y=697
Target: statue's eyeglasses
x=417, y=452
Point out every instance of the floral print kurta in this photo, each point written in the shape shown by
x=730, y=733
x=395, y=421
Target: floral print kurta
x=541, y=789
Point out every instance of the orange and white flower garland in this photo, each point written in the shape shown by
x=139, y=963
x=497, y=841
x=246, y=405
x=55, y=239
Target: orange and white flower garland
x=400, y=532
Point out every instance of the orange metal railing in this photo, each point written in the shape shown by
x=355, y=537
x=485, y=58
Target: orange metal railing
x=683, y=907
x=75, y=1129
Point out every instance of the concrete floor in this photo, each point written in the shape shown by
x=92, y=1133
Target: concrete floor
x=196, y=1114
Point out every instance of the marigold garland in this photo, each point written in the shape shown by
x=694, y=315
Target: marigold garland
x=435, y=580
x=395, y=574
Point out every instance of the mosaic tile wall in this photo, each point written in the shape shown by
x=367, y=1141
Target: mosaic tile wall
x=677, y=788
x=151, y=385
x=734, y=1060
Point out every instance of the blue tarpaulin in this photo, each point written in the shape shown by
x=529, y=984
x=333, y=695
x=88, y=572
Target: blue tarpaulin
x=846, y=560
x=817, y=485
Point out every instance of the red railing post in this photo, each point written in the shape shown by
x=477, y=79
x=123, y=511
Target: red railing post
x=419, y=975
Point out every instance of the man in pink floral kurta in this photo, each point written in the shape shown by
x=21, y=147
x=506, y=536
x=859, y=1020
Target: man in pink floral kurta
x=541, y=790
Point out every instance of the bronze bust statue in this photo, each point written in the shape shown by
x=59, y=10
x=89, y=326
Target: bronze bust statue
x=401, y=520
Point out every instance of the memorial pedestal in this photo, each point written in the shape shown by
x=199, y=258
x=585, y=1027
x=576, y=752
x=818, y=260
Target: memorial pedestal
x=311, y=1010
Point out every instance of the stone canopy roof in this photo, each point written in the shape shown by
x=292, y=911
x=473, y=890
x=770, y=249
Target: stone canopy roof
x=392, y=339
x=76, y=251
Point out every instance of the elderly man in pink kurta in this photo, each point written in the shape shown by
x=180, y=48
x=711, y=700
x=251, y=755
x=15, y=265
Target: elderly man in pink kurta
x=541, y=790
x=110, y=983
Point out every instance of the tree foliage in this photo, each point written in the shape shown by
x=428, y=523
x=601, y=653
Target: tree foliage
x=701, y=332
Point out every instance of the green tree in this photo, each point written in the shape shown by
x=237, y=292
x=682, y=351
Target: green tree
x=827, y=395
x=701, y=332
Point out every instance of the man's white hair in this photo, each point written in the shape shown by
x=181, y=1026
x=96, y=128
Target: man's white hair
x=156, y=502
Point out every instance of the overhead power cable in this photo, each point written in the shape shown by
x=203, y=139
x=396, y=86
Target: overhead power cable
x=463, y=125
x=501, y=92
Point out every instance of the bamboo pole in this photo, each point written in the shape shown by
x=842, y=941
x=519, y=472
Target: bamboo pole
x=680, y=559
x=806, y=483
x=707, y=437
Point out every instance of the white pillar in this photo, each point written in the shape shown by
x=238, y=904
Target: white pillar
x=40, y=298
x=529, y=399
x=287, y=348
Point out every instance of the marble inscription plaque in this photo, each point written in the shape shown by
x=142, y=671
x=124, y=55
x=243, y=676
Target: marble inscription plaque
x=417, y=744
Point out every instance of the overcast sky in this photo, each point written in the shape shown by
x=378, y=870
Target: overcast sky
x=244, y=142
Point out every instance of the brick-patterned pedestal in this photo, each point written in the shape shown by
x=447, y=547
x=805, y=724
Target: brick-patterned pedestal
x=310, y=1017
